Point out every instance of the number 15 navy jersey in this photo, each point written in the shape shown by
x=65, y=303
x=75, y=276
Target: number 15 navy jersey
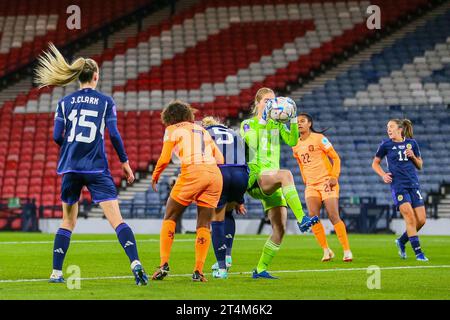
x=230, y=144
x=84, y=114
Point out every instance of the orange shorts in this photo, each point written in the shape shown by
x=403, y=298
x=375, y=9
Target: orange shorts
x=198, y=183
x=322, y=191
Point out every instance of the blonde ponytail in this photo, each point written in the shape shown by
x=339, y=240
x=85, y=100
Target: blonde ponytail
x=53, y=69
x=210, y=121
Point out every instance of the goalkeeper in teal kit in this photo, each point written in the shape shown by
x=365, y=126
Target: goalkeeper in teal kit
x=275, y=188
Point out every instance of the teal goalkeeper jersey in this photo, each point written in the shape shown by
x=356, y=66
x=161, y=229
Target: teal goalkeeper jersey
x=263, y=142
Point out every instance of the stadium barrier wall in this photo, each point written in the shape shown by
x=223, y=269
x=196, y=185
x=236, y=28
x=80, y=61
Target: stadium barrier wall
x=153, y=226
x=243, y=226
x=435, y=227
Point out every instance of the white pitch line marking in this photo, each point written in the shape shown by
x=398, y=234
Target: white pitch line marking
x=189, y=240
x=114, y=241
x=246, y=273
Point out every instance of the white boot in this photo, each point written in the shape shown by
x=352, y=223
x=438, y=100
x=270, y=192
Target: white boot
x=327, y=255
x=348, y=256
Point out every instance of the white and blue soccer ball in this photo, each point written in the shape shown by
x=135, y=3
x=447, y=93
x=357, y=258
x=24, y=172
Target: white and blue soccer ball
x=281, y=109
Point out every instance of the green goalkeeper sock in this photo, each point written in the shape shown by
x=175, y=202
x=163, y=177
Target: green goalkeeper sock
x=291, y=195
x=269, y=251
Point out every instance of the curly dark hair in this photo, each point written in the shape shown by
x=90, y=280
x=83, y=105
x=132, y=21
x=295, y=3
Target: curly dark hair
x=177, y=111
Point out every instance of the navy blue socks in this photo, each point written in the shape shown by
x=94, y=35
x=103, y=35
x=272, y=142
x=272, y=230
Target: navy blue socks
x=126, y=239
x=230, y=230
x=218, y=240
x=415, y=244
x=404, y=238
x=60, y=247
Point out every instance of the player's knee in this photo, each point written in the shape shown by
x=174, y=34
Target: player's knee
x=171, y=213
x=171, y=216
x=420, y=222
x=409, y=218
x=287, y=176
x=229, y=214
x=279, y=232
x=335, y=219
x=217, y=218
x=203, y=224
x=68, y=224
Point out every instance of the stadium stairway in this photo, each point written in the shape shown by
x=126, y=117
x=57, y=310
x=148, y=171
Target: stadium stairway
x=339, y=25
x=11, y=92
x=40, y=183
x=132, y=30
x=336, y=30
x=444, y=207
x=443, y=201
x=365, y=54
x=362, y=122
x=27, y=26
x=97, y=47
x=363, y=177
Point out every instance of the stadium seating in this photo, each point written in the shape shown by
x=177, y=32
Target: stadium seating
x=28, y=25
x=215, y=55
x=215, y=71
x=414, y=71
x=408, y=79
x=362, y=122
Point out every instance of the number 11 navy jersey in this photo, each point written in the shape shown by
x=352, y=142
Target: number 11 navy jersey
x=84, y=114
x=403, y=171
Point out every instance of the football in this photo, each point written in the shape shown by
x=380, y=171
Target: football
x=141, y=134
x=282, y=109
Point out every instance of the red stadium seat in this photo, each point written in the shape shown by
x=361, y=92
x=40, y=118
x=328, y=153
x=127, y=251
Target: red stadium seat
x=16, y=224
x=19, y=56
x=26, y=147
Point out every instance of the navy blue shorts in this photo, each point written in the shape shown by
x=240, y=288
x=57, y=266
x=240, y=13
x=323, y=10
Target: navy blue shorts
x=412, y=196
x=100, y=185
x=235, y=180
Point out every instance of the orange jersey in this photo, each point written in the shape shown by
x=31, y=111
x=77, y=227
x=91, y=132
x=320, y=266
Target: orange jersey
x=313, y=156
x=192, y=144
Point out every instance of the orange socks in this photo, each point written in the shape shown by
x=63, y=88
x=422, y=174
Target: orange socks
x=201, y=247
x=341, y=233
x=319, y=232
x=166, y=239
x=202, y=243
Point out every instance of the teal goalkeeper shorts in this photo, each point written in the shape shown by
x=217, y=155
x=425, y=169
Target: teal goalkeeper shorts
x=274, y=200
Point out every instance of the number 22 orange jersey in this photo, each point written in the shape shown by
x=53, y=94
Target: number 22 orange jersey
x=313, y=156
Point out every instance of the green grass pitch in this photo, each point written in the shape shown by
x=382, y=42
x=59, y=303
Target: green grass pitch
x=25, y=264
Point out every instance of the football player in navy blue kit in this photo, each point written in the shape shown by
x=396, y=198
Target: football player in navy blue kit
x=235, y=179
x=403, y=159
x=79, y=128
